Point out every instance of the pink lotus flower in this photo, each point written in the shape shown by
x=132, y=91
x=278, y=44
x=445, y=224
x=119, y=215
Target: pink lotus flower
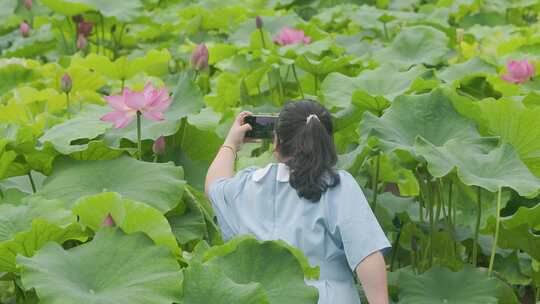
x=519, y=71
x=108, y=221
x=150, y=103
x=25, y=29
x=291, y=36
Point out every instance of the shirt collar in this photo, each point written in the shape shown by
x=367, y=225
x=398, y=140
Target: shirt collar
x=281, y=176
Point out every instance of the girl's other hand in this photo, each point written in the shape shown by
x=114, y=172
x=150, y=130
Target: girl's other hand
x=238, y=130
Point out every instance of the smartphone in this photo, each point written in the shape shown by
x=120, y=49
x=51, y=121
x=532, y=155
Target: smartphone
x=262, y=126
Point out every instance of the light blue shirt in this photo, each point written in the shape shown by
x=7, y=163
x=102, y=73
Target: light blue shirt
x=336, y=233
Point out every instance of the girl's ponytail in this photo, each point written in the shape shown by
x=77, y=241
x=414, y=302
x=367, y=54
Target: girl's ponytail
x=304, y=133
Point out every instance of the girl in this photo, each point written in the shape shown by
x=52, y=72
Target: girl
x=304, y=201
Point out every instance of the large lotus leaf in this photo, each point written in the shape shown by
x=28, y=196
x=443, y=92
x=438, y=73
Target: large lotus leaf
x=324, y=66
x=430, y=116
x=480, y=163
x=25, y=228
x=187, y=99
x=154, y=63
x=416, y=45
x=156, y=184
x=208, y=284
x=517, y=125
x=26, y=243
x=65, y=137
x=122, y=10
x=441, y=285
x=459, y=71
x=14, y=74
x=245, y=260
x=516, y=231
x=129, y=215
x=384, y=81
x=114, y=268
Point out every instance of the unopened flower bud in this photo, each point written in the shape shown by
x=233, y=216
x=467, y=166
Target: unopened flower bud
x=28, y=4
x=84, y=28
x=108, y=221
x=25, y=29
x=81, y=42
x=159, y=145
x=199, y=57
x=66, y=83
x=258, y=22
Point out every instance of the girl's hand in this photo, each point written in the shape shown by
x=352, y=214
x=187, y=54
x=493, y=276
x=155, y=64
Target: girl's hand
x=238, y=130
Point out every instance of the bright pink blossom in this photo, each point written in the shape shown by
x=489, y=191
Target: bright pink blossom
x=519, y=71
x=25, y=29
x=150, y=103
x=291, y=36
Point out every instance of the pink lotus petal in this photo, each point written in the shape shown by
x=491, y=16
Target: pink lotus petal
x=119, y=118
x=116, y=102
x=108, y=221
x=157, y=116
x=519, y=71
x=291, y=36
x=135, y=100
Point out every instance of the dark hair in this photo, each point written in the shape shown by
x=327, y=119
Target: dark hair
x=310, y=145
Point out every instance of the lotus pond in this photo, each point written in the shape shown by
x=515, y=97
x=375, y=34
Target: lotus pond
x=111, y=111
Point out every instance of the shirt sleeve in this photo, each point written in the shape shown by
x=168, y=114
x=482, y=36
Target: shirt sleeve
x=360, y=231
x=222, y=193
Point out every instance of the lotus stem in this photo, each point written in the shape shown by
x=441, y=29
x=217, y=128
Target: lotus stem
x=102, y=31
x=375, y=182
x=477, y=227
x=139, y=148
x=297, y=81
x=155, y=158
x=431, y=200
x=67, y=105
x=123, y=85
x=395, y=248
x=385, y=32
x=32, y=181
x=262, y=38
x=496, y=238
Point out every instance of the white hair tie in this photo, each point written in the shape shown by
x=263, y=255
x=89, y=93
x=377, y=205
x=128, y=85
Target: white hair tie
x=312, y=116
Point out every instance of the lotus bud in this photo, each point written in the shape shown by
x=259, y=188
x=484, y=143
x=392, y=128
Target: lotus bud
x=84, y=28
x=199, y=57
x=159, y=145
x=108, y=221
x=66, y=83
x=460, y=33
x=25, y=29
x=77, y=18
x=81, y=42
x=258, y=22
x=28, y=4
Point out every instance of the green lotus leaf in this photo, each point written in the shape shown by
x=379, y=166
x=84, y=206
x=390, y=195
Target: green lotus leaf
x=27, y=227
x=196, y=222
x=26, y=243
x=324, y=66
x=384, y=81
x=129, y=215
x=516, y=231
x=187, y=99
x=121, y=10
x=517, y=125
x=472, y=66
x=480, y=162
x=40, y=41
x=112, y=268
x=430, y=116
x=441, y=285
x=208, y=284
x=14, y=74
x=416, y=45
x=66, y=137
x=156, y=184
x=391, y=171
x=245, y=260
x=227, y=92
